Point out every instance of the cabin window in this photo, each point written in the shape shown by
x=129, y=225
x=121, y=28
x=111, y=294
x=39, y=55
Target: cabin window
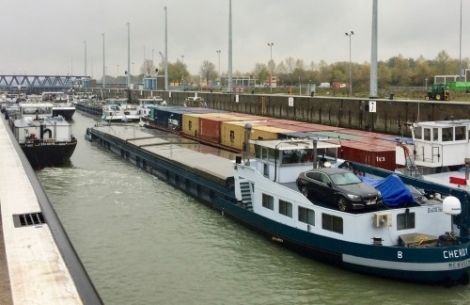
x=405, y=221
x=427, y=134
x=460, y=132
x=285, y=208
x=332, y=223
x=268, y=202
x=264, y=153
x=435, y=134
x=307, y=216
x=417, y=133
x=448, y=134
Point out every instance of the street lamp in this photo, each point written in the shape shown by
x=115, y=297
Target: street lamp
x=104, y=65
x=182, y=69
x=350, y=73
x=220, y=78
x=270, y=44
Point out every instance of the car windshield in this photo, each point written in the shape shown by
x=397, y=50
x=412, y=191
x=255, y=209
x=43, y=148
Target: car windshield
x=345, y=178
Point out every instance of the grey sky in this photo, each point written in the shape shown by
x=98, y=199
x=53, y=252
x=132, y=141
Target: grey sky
x=47, y=36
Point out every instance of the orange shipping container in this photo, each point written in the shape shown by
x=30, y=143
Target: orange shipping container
x=191, y=122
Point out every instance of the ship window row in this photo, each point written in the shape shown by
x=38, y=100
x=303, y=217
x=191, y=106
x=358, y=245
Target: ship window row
x=294, y=156
x=454, y=133
x=305, y=215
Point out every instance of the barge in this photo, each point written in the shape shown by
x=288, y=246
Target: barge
x=425, y=241
x=46, y=140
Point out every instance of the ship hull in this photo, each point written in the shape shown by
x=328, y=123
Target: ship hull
x=44, y=154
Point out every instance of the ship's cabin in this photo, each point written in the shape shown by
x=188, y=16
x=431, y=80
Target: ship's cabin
x=282, y=160
x=437, y=144
x=35, y=110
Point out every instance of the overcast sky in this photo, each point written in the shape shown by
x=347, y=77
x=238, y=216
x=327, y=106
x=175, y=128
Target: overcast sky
x=47, y=37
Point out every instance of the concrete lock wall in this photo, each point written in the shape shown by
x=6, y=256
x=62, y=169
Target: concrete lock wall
x=390, y=117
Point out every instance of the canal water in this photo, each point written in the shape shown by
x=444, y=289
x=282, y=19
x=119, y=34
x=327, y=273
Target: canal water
x=145, y=242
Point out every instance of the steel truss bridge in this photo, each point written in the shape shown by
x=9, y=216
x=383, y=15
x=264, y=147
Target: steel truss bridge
x=40, y=81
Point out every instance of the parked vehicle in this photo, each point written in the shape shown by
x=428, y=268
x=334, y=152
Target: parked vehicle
x=438, y=92
x=338, y=187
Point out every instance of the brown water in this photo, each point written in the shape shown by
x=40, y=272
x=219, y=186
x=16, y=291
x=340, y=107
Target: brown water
x=145, y=242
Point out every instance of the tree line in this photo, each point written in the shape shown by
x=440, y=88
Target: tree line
x=396, y=71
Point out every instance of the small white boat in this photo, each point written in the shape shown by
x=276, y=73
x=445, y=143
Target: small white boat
x=146, y=104
x=118, y=110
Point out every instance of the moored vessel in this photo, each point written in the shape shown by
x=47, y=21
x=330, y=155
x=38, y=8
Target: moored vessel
x=118, y=110
x=413, y=241
x=45, y=140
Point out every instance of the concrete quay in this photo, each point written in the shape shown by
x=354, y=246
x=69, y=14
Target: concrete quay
x=38, y=264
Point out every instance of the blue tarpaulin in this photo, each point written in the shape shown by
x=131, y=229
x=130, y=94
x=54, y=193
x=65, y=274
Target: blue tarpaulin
x=394, y=191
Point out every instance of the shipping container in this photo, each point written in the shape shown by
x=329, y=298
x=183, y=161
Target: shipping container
x=376, y=142
x=369, y=154
x=210, y=127
x=319, y=127
x=233, y=133
x=396, y=139
x=364, y=133
x=300, y=135
x=192, y=122
x=335, y=135
x=293, y=127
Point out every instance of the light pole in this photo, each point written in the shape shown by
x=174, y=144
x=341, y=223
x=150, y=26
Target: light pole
x=350, y=73
x=85, y=55
x=220, y=78
x=426, y=84
x=104, y=65
x=128, y=56
x=270, y=44
x=117, y=72
x=182, y=69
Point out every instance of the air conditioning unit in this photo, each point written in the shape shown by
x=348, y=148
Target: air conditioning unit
x=382, y=219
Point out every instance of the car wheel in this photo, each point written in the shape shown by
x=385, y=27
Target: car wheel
x=343, y=204
x=304, y=191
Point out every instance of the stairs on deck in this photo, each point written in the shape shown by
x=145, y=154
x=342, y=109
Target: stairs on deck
x=246, y=195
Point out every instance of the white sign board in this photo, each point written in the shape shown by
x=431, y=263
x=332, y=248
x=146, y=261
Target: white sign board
x=372, y=106
x=291, y=102
x=236, y=98
x=169, y=93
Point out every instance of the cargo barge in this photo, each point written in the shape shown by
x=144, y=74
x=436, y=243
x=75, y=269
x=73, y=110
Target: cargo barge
x=413, y=242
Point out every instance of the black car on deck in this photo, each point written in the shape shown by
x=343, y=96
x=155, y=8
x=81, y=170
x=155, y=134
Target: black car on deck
x=338, y=187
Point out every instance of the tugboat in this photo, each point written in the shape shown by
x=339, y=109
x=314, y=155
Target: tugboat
x=45, y=140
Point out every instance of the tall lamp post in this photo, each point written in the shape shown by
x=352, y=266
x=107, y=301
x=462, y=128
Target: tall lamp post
x=104, y=65
x=220, y=78
x=270, y=44
x=350, y=73
x=182, y=70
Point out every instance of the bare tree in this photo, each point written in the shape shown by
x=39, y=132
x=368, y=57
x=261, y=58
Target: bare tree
x=207, y=71
x=148, y=68
x=261, y=72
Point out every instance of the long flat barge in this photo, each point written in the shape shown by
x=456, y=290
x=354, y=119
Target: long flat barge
x=409, y=242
